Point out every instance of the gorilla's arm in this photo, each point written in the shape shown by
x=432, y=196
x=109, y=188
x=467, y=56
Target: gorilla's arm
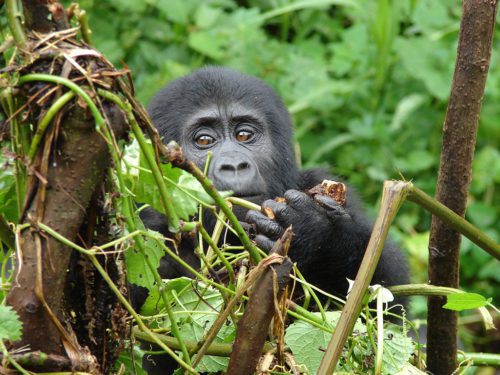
x=330, y=240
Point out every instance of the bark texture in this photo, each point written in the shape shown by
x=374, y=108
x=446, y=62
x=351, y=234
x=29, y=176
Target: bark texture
x=76, y=169
x=459, y=135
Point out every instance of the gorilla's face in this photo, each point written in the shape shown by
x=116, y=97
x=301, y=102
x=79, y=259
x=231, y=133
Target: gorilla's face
x=239, y=141
x=238, y=118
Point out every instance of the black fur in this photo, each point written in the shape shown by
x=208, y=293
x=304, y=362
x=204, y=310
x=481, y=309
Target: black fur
x=329, y=240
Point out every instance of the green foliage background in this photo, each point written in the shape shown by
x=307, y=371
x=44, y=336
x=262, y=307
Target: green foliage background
x=367, y=82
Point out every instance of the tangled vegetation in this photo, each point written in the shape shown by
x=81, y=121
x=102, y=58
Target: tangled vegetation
x=350, y=73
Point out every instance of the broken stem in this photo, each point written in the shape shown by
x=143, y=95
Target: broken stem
x=393, y=196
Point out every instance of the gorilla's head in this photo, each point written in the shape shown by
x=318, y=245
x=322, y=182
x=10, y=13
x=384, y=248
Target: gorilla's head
x=241, y=120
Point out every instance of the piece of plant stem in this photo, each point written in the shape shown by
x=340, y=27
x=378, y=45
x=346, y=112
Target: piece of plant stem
x=244, y=203
x=311, y=292
x=91, y=255
x=393, y=196
x=166, y=199
x=219, y=225
x=45, y=122
x=479, y=359
x=217, y=251
x=83, y=20
x=455, y=221
x=380, y=333
x=298, y=312
x=215, y=349
x=14, y=22
x=17, y=147
x=422, y=290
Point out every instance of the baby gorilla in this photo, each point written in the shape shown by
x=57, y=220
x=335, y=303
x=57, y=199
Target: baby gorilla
x=245, y=125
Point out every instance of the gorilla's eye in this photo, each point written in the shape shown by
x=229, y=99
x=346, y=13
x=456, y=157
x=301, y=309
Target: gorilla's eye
x=244, y=136
x=204, y=140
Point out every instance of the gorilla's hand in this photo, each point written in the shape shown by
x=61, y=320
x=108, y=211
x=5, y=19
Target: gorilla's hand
x=314, y=223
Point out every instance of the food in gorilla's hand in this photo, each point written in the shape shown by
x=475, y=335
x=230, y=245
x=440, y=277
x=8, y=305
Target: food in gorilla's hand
x=333, y=189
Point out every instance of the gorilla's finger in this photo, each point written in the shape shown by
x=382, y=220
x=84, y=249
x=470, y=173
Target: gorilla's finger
x=333, y=209
x=326, y=202
x=279, y=209
x=264, y=225
x=264, y=243
x=252, y=216
x=296, y=198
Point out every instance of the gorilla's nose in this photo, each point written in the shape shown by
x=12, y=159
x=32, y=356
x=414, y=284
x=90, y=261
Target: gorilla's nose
x=233, y=172
x=233, y=168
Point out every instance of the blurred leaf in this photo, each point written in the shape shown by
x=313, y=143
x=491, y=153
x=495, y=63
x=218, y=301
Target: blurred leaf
x=177, y=10
x=10, y=325
x=405, y=109
x=209, y=43
x=481, y=214
x=429, y=62
x=485, y=169
x=206, y=16
x=415, y=161
x=129, y=5
x=430, y=15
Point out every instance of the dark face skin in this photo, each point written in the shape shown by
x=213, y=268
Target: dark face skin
x=239, y=141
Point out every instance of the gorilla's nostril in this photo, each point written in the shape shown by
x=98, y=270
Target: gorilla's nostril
x=243, y=165
x=227, y=167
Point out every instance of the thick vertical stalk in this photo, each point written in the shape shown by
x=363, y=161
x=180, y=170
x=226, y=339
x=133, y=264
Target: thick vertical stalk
x=459, y=135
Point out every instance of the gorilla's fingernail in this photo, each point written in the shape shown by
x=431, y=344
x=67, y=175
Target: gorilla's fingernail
x=268, y=212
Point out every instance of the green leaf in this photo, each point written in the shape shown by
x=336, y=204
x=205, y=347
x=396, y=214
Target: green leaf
x=138, y=271
x=131, y=366
x=465, y=301
x=308, y=343
x=397, y=349
x=209, y=43
x=196, y=307
x=10, y=325
x=8, y=197
x=183, y=188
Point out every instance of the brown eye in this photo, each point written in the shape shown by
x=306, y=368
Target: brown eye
x=204, y=140
x=243, y=136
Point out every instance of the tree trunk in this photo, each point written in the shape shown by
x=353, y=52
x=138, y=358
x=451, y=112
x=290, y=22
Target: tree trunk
x=459, y=135
x=70, y=169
